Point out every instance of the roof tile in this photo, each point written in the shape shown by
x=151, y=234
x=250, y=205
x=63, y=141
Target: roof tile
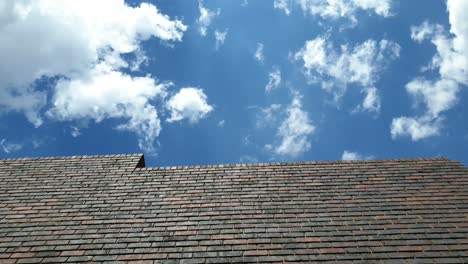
x=111, y=208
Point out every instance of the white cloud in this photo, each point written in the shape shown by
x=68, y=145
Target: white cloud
x=247, y=140
x=36, y=143
x=248, y=159
x=283, y=5
x=347, y=155
x=259, y=53
x=220, y=37
x=334, y=9
x=50, y=38
x=381, y=8
x=31, y=142
x=206, y=18
x=350, y=155
x=140, y=58
x=104, y=93
x=295, y=131
x=75, y=131
x=23, y=99
x=371, y=102
x=438, y=96
x=189, y=103
x=359, y=65
x=416, y=128
x=421, y=32
x=9, y=147
x=451, y=62
x=455, y=61
x=80, y=44
x=268, y=116
x=244, y=3
x=314, y=54
x=274, y=80
x=221, y=123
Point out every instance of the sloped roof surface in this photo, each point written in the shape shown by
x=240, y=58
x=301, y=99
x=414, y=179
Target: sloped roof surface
x=111, y=208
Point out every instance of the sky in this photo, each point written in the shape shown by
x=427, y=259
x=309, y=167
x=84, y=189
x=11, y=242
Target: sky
x=222, y=82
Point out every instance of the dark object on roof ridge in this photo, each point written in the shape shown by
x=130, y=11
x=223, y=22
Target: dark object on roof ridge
x=141, y=162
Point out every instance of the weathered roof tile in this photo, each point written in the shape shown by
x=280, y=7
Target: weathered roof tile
x=111, y=208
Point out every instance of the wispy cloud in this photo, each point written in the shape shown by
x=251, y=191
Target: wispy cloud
x=259, y=53
x=268, y=116
x=220, y=37
x=248, y=159
x=283, y=5
x=350, y=155
x=10, y=147
x=274, y=80
x=206, y=18
x=335, y=9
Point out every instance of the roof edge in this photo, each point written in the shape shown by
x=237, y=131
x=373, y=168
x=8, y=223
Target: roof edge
x=141, y=163
x=136, y=155
x=302, y=163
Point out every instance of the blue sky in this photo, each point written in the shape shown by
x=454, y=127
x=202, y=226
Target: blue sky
x=214, y=82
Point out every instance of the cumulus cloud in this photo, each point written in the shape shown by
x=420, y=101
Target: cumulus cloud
x=259, y=53
x=105, y=93
x=189, y=103
x=415, y=127
x=294, y=131
x=206, y=18
x=274, y=80
x=334, y=9
x=438, y=96
x=350, y=155
x=359, y=65
x=451, y=64
x=220, y=37
x=83, y=48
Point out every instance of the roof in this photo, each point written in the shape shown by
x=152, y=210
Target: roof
x=112, y=208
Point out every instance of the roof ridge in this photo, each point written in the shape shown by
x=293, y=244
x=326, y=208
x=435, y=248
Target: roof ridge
x=75, y=157
x=231, y=165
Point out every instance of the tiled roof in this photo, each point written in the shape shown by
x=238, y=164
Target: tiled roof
x=111, y=208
